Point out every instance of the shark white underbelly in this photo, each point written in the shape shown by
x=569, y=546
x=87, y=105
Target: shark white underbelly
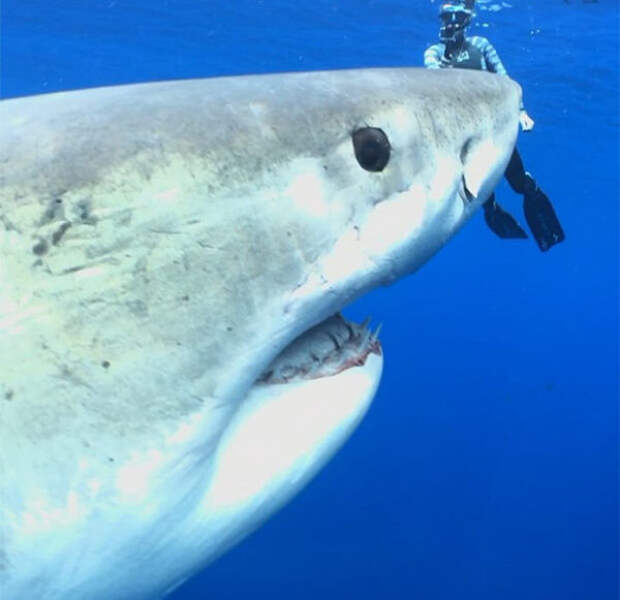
x=162, y=246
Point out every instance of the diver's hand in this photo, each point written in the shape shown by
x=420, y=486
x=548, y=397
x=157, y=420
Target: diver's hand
x=527, y=123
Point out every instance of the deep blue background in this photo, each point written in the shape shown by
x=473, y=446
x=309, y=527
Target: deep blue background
x=487, y=467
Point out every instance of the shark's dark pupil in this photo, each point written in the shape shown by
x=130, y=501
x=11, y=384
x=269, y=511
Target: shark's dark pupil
x=372, y=148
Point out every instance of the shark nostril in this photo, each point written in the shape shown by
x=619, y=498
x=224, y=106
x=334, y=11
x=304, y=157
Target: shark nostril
x=372, y=148
x=467, y=196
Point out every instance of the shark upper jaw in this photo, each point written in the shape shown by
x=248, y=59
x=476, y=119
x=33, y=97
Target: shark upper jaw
x=394, y=238
x=285, y=245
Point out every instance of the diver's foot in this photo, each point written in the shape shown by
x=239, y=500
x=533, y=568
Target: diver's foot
x=540, y=216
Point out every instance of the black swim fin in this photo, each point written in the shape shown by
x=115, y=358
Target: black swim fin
x=501, y=222
x=541, y=219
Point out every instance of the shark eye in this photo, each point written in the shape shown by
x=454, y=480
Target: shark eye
x=372, y=148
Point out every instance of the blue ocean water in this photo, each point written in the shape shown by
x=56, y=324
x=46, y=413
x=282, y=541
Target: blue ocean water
x=487, y=467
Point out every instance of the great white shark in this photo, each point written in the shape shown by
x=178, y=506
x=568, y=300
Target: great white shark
x=173, y=259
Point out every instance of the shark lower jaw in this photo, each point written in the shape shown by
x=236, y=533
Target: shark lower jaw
x=293, y=419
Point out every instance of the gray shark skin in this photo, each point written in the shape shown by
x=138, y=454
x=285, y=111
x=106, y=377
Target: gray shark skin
x=160, y=246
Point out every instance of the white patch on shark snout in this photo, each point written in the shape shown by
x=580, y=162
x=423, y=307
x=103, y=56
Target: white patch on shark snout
x=307, y=190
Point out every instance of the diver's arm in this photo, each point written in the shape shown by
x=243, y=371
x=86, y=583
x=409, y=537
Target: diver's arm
x=434, y=59
x=491, y=57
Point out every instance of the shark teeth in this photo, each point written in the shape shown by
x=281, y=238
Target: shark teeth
x=324, y=350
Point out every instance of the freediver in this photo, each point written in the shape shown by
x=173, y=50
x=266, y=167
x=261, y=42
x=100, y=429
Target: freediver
x=456, y=50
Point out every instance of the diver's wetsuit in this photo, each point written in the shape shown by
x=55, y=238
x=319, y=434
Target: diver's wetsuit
x=476, y=53
x=479, y=54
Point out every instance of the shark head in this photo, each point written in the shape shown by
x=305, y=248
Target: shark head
x=173, y=258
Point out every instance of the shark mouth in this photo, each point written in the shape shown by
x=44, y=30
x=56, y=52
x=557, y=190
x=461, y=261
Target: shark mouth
x=326, y=349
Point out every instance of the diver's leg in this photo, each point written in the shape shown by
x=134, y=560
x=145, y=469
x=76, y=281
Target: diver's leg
x=516, y=174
